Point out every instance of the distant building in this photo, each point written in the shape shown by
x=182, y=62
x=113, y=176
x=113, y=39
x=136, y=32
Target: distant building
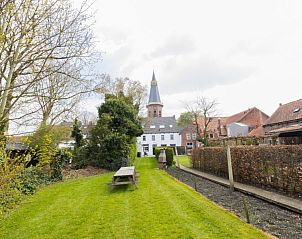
x=246, y=123
x=158, y=130
x=251, y=119
x=286, y=123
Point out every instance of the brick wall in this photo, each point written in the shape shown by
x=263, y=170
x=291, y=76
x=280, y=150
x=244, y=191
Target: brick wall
x=270, y=167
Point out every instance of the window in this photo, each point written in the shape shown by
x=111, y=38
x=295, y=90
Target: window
x=154, y=113
x=144, y=138
x=171, y=126
x=188, y=136
x=152, y=126
x=146, y=148
x=162, y=126
x=211, y=135
x=162, y=137
x=159, y=113
x=171, y=136
x=172, y=145
x=189, y=145
x=153, y=137
x=194, y=136
x=296, y=110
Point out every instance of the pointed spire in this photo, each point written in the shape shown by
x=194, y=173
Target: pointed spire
x=153, y=76
x=154, y=93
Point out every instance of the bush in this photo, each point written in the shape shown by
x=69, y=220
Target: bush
x=157, y=152
x=80, y=158
x=169, y=156
x=133, y=150
x=61, y=158
x=31, y=178
x=10, y=171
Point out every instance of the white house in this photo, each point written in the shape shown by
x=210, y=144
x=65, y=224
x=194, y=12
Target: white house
x=161, y=131
x=158, y=130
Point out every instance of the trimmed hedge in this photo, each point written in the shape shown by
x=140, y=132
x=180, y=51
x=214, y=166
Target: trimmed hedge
x=169, y=154
x=270, y=167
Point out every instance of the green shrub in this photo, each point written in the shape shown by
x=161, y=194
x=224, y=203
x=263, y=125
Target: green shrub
x=80, y=158
x=169, y=155
x=133, y=150
x=31, y=178
x=61, y=158
x=10, y=171
x=157, y=152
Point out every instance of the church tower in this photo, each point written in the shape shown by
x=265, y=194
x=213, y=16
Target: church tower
x=154, y=105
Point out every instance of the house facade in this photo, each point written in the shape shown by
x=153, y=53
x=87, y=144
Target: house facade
x=285, y=124
x=237, y=125
x=158, y=130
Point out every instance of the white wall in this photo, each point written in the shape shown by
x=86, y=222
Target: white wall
x=237, y=129
x=158, y=141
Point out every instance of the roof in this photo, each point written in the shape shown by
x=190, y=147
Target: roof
x=154, y=93
x=287, y=129
x=286, y=113
x=258, y=132
x=160, y=125
x=255, y=117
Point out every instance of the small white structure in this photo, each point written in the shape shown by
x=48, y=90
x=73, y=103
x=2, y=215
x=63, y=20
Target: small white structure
x=237, y=129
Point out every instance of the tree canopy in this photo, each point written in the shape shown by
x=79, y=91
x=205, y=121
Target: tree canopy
x=116, y=130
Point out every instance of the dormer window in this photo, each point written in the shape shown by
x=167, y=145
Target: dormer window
x=152, y=126
x=296, y=110
x=171, y=126
x=161, y=126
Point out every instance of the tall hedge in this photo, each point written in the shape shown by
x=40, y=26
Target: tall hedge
x=271, y=167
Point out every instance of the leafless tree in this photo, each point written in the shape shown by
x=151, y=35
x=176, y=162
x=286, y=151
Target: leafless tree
x=130, y=88
x=201, y=112
x=38, y=40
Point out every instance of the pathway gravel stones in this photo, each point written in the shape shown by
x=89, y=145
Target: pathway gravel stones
x=273, y=219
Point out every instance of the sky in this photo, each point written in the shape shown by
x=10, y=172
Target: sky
x=242, y=53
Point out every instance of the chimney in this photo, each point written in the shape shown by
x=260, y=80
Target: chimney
x=219, y=127
x=280, y=104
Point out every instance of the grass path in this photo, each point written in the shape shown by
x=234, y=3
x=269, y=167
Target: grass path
x=160, y=208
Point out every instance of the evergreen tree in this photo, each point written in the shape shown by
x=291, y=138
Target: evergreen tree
x=115, y=132
x=77, y=134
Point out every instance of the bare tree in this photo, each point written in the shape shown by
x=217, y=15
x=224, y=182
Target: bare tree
x=200, y=113
x=38, y=38
x=130, y=88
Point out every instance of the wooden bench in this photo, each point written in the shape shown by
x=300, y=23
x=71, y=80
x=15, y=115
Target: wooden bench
x=124, y=176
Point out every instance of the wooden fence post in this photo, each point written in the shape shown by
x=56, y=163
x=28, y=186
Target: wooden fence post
x=230, y=169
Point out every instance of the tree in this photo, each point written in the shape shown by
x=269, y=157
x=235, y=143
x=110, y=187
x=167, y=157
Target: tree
x=117, y=128
x=129, y=88
x=38, y=38
x=77, y=134
x=200, y=113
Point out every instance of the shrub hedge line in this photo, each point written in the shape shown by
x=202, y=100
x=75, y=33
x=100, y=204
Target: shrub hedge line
x=271, y=167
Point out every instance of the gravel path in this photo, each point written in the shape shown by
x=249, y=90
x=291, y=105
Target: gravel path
x=271, y=218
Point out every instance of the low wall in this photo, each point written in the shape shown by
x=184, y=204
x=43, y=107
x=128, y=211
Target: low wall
x=276, y=167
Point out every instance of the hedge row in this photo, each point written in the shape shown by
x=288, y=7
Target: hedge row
x=169, y=154
x=270, y=167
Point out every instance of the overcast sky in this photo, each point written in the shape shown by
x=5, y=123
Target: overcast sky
x=243, y=53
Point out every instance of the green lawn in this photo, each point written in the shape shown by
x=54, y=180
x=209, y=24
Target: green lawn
x=184, y=160
x=160, y=208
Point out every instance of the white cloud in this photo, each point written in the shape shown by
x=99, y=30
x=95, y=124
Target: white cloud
x=244, y=53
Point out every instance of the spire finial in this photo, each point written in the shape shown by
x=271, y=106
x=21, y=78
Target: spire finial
x=153, y=76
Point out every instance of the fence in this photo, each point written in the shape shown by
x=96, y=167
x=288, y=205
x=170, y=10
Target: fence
x=270, y=167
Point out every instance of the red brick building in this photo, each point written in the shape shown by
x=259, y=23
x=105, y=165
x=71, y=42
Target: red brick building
x=252, y=119
x=286, y=123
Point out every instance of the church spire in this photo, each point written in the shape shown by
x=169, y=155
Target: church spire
x=154, y=104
